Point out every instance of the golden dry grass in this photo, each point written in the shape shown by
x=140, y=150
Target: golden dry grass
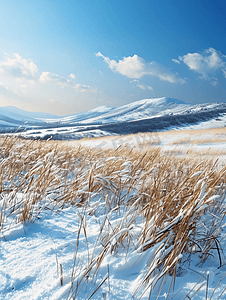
x=218, y=133
x=212, y=131
x=181, y=142
x=180, y=201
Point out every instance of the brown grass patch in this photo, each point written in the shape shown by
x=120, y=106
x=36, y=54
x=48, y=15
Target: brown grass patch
x=179, y=202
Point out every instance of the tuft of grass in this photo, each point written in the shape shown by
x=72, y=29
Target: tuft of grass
x=178, y=203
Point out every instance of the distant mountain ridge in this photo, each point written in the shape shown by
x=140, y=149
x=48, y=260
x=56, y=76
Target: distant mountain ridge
x=102, y=114
x=11, y=111
x=139, y=116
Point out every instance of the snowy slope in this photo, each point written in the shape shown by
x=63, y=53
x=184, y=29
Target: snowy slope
x=139, y=110
x=141, y=116
x=11, y=116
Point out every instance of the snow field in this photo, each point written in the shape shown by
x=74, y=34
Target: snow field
x=84, y=223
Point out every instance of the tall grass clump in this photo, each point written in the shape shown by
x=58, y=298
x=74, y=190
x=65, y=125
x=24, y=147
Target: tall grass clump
x=165, y=207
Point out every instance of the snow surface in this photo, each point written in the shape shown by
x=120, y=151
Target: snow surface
x=31, y=256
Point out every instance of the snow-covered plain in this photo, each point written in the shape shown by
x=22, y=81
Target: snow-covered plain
x=39, y=259
x=31, y=256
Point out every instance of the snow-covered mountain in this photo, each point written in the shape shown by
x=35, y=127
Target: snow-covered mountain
x=140, y=116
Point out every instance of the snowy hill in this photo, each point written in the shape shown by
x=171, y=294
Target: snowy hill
x=141, y=116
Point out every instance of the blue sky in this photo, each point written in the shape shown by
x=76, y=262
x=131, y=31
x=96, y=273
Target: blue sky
x=66, y=57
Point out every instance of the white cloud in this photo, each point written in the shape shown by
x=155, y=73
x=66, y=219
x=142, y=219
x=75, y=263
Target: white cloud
x=207, y=63
x=132, y=67
x=21, y=68
x=18, y=67
x=136, y=67
x=72, y=76
x=176, y=61
x=84, y=88
x=48, y=77
x=141, y=86
x=134, y=80
x=214, y=81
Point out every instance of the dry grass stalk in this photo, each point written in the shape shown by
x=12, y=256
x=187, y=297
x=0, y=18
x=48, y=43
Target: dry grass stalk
x=181, y=202
x=61, y=275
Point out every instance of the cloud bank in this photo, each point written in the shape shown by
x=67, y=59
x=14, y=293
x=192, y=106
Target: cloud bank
x=207, y=63
x=141, y=86
x=48, y=77
x=72, y=76
x=81, y=88
x=24, y=85
x=136, y=67
x=18, y=67
x=176, y=61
